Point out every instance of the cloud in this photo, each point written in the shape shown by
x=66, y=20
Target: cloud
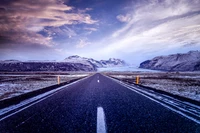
x=124, y=18
x=91, y=29
x=84, y=10
x=22, y=20
x=156, y=26
x=82, y=43
x=59, y=32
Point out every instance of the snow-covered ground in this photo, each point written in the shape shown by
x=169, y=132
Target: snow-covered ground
x=12, y=85
x=186, y=84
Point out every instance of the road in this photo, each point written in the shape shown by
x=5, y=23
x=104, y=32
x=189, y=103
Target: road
x=97, y=104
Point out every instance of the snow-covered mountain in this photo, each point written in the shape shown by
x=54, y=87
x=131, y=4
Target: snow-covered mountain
x=33, y=65
x=112, y=62
x=71, y=63
x=177, y=62
x=82, y=60
x=43, y=66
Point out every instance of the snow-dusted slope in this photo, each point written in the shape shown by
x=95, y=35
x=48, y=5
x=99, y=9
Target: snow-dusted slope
x=44, y=66
x=71, y=63
x=77, y=59
x=112, y=62
x=177, y=62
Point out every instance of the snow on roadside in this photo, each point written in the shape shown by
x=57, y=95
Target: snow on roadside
x=11, y=86
x=182, y=84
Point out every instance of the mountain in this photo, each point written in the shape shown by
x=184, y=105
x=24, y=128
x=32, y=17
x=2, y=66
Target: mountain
x=177, y=62
x=17, y=66
x=83, y=60
x=71, y=63
x=112, y=62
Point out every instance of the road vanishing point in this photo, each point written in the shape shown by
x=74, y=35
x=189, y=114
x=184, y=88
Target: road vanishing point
x=100, y=104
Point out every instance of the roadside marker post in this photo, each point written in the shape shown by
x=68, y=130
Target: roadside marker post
x=58, y=78
x=137, y=79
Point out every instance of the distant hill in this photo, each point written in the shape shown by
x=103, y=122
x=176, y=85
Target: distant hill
x=43, y=66
x=71, y=63
x=177, y=62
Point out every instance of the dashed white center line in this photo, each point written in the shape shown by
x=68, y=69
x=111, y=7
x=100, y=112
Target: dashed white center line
x=98, y=81
x=101, y=124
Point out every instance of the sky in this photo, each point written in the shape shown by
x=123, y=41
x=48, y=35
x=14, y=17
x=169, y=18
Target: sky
x=132, y=30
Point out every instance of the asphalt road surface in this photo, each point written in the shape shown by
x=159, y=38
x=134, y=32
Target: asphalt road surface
x=97, y=104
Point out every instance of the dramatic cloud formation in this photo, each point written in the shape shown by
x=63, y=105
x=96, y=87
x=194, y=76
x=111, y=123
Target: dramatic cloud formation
x=157, y=26
x=132, y=30
x=21, y=21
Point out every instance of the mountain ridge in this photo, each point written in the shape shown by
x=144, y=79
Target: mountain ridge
x=175, y=62
x=71, y=63
x=111, y=62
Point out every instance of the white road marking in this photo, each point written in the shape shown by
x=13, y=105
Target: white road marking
x=101, y=124
x=98, y=81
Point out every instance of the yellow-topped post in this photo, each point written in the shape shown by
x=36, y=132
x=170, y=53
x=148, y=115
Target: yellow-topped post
x=137, y=79
x=58, y=78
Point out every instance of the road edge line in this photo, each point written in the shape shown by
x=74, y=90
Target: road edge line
x=32, y=101
x=163, y=104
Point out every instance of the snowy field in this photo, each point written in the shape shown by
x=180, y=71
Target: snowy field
x=13, y=84
x=186, y=84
